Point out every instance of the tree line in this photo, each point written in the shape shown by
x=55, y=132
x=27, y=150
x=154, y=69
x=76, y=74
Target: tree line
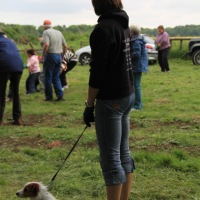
x=24, y=34
x=177, y=31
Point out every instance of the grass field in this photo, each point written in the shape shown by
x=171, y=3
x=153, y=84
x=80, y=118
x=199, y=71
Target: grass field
x=164, y=140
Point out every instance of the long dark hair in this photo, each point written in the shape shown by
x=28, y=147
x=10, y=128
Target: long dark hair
x=105, y=6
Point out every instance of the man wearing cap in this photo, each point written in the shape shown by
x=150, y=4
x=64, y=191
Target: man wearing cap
x=11, y=67
x=54, y=48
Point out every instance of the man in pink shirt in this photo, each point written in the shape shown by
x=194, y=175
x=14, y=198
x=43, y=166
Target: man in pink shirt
x=163, y=45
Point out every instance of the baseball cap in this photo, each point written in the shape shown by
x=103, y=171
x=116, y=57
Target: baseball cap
x=47, y=23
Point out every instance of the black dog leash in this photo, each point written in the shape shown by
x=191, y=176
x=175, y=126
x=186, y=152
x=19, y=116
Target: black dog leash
x=49, y=185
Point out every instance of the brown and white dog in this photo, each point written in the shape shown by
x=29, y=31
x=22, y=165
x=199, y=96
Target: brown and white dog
x=35, y=191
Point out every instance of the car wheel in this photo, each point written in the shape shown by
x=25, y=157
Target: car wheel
x=151, y=62
x=85, y=59
x=196, y=57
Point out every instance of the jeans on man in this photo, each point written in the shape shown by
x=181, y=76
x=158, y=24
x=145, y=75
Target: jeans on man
x=52, y=64
x=112, y=129
x=14, y=80
x=163, y=59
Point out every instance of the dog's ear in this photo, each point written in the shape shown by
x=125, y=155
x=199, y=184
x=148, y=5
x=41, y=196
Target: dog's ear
x=31, y=190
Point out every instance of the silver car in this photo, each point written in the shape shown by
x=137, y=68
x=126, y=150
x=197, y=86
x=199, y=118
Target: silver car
x=84, y=54
x=151, y=49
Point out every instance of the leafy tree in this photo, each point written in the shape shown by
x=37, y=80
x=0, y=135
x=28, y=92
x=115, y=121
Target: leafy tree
x=24, y=34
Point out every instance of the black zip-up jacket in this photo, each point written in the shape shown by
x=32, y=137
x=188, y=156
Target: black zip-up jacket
x=110, y=67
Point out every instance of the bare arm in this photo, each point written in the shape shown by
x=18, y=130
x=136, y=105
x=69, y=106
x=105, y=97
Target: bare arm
x=44, y=50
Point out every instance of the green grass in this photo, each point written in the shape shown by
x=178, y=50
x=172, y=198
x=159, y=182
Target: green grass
x=164, y=140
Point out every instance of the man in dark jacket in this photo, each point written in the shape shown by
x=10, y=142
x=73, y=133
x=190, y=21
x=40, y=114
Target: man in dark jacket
x=11, y=67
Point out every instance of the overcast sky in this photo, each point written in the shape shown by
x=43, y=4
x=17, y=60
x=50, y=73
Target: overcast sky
x=146, y=13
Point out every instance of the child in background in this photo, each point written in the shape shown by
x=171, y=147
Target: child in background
x=34, y=71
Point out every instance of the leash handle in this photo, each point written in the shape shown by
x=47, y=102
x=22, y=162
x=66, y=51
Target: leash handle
x=53, y=178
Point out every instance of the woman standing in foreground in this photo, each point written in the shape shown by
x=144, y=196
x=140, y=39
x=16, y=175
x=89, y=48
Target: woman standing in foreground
x=111, y=86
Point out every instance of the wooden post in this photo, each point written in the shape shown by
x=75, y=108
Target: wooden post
x=171, y=42
x=181, y=44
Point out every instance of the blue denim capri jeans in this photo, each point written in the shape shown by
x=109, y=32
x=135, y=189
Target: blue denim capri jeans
x=112, y=129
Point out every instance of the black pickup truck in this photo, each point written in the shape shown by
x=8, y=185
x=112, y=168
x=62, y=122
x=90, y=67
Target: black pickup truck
x=194, y=50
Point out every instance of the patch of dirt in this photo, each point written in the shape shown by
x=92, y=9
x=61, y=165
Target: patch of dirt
x=168, y=146
x=35, y=142
x=33, y=120
x=193, y=150
x=32, y=142
x=10, y=142
x=162, y=101
x=181, y=124
x=165, y=147
x=178, y=123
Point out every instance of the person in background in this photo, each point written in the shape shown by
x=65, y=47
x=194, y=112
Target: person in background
x=139, y=59
x=111, y=88
x=70, y=62
x=11, y=67
x=41, y=76
x=34, y=71
x=162, y=43
x=54, y=48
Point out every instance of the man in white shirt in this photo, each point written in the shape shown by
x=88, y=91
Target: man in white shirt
x=54, y=48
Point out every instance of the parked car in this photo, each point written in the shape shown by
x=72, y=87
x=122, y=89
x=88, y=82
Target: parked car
x=84, y=54
x=151, y=49
x=194, y=50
